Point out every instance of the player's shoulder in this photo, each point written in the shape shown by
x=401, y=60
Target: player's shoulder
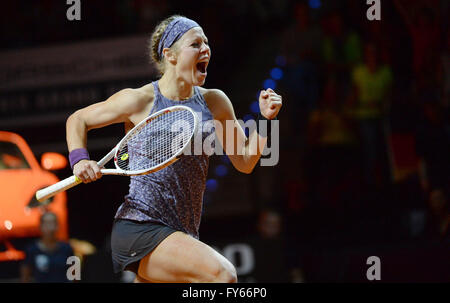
x=134, y=98
x=212, y=93
x=217, y=101
x=145, y=92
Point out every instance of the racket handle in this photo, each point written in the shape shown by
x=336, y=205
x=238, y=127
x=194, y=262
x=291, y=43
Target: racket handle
x=56, y=188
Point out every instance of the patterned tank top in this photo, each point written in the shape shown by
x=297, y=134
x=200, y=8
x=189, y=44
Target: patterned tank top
x=174, y=195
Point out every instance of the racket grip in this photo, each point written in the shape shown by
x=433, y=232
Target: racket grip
x=56, y=188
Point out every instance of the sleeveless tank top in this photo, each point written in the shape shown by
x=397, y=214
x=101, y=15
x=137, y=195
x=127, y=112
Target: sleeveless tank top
x=173, y=196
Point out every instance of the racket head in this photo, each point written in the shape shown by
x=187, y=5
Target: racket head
x=157, y=141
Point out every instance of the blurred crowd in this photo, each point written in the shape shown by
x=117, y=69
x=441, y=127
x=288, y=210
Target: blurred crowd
x=366, y=129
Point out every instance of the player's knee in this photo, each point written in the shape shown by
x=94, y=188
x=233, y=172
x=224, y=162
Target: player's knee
x=226, y=274
x=229, y=275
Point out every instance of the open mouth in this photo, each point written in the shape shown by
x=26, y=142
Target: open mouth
x=201, y=67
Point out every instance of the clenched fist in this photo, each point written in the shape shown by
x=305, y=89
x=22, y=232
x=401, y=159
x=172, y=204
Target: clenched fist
x=269, y=103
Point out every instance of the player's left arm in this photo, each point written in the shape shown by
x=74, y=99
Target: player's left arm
x=243, y=152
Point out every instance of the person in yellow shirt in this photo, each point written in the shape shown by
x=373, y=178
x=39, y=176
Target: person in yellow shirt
x=369, y=101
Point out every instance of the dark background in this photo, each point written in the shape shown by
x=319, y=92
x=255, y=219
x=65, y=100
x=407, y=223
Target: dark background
x=347, y=186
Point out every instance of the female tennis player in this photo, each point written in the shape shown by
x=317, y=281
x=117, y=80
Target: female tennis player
x=155, y=231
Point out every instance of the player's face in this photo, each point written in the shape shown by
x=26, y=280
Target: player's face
x=193, y=56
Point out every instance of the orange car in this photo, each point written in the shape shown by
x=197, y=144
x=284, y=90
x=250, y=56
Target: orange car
x=20, y=177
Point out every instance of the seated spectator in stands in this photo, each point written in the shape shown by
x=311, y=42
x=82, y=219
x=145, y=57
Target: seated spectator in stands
x=444, y=73
x=46, y=257
x=422, y=20
x=331, y=145
x=433, y=146
x=433, y=149
x=439, y=219
x=301, y=45
x=275, y=262
x=341, y=49
x=369, y=103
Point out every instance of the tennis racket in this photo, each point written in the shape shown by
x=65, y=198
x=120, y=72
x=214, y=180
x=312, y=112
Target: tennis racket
x=154, y=143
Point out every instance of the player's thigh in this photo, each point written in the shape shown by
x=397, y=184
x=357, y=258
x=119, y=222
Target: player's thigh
x=182, y=258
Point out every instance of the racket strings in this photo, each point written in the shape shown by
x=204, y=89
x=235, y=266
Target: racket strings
x=156, y=141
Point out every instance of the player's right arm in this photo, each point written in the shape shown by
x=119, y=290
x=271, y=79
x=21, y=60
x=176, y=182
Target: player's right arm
x=116, y=109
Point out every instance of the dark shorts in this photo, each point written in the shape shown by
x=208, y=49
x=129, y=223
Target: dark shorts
x=132, y=240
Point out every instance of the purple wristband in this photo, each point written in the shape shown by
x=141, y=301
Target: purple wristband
x=77, y=155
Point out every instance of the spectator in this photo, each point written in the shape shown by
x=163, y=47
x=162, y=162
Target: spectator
x=341, y=49
x=271, y=262
x=331, y=144
x=439, y=219
x=433, y=147
x=444, y=73
x=423, y=22
x=46, y=258
x=301, y=47
x=369, y=102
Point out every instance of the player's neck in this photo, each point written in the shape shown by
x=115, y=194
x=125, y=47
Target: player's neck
x=175, y=89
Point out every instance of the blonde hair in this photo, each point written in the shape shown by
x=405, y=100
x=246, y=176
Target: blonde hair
x=154, y=43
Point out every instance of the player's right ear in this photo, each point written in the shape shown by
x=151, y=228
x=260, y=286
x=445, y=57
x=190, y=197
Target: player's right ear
x=169, y=55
